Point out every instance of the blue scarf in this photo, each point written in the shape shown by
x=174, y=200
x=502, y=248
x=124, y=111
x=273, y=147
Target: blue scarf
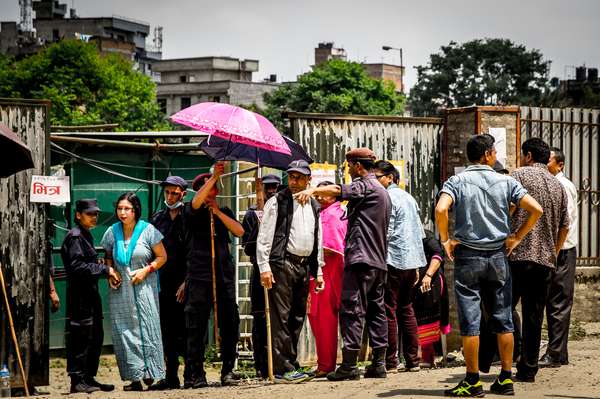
x=121, y=255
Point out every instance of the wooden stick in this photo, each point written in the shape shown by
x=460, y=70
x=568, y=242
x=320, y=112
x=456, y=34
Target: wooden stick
x=14, y=335
x=269, y=342
x=214, y=279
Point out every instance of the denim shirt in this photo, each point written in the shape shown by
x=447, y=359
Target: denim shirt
x=405, y=232
x=481, y=202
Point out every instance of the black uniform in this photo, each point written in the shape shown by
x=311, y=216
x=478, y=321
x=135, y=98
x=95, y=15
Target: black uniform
x=198, y=293
x=84, y=308
x=251, y=225
x=171, y=276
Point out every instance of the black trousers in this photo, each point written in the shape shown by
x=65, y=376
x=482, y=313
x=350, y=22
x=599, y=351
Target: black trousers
x=530, y=286
x=84, y=344
x=363, y=289
x=559, y=304
x=259, y=322
x=198, y=306
x=287, y=303
x=172, y=326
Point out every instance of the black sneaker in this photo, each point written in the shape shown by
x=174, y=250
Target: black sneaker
x=164, y=385
x=505, y=387
x=466, y=390
x=229, y=379
x=547, y=362
x=342, y=373
x=375, y=372
x=524, y=378
x=103, y=387
x=83, y=387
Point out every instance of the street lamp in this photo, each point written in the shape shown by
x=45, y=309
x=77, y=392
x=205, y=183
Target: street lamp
x=387, y=48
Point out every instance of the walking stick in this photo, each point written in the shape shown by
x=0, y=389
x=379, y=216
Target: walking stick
x=14, y=335
x=269, y=343
x=214, y=279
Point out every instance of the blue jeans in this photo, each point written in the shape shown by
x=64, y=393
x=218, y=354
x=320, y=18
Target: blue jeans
x=482, y=277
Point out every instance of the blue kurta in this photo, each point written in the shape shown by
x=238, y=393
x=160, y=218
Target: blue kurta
x=134, y=312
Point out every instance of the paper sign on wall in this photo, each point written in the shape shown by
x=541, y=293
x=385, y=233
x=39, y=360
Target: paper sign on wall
x=499, y=134
x=321, y=172
x=400, y=168
x=50, y=189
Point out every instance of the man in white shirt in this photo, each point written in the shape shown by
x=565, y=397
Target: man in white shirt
x=562, y=285
x=288, y=253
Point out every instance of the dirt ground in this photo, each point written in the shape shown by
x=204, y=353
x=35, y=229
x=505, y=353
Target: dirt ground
x=580, y=379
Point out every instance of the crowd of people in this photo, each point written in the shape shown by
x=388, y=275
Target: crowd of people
x=353, y=258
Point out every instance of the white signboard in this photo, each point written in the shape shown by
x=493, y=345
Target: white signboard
x=50, y=189
x=499, y=134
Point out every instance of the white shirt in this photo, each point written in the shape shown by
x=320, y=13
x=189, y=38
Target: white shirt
x=572, y=236
x=300, y=241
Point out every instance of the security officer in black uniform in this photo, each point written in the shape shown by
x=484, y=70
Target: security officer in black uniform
x=169, y=221
x=84, y=308
x=251, y=223
x=199, y=281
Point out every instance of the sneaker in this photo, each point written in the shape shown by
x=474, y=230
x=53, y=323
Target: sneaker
x=524, y=378
x=466, y=390
x=375, y=372
x=164, y=385
x=344, y=373
x=505, y=387
x=83, y=387
x=291, y=377
x=103, y=387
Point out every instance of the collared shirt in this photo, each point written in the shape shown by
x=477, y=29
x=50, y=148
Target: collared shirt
x=573, y=236
x=481, y=202
x=405, y=232
x=539, y=245
x=368, y=214
x=302, y=234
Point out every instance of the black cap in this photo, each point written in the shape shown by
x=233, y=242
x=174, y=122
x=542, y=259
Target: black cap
x=300, y=166
x=86, y=205
x=175, y=181
x=271, y=179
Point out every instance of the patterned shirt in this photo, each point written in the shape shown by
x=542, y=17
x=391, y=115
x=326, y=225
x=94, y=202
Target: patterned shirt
x=539, y=245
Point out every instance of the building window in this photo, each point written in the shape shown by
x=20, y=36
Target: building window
x=183, y=78
x=55, y=35
x=185, y=102
x=162, y=105
x=216, y=99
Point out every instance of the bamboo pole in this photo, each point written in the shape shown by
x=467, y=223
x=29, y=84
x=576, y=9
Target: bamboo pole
x=214, y=280
x=14, y=335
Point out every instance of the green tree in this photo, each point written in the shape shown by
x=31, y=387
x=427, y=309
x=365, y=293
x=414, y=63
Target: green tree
x=338, y=87
x=479, y=72
x=84, y=87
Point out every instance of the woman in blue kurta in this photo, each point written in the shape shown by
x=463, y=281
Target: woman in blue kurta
x=135, y=249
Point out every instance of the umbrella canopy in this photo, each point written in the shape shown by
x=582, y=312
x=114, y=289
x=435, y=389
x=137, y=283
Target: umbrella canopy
x=15, y=154
x=224, y=150
x=234, y=124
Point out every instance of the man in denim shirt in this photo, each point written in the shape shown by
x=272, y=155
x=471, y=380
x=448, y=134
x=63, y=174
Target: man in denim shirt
x=482, y=230
x=404, y=258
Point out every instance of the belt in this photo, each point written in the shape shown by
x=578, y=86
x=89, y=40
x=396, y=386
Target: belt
x=296, y=259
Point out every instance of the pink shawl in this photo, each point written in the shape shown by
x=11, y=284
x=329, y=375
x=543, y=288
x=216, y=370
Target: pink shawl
x=334, y=229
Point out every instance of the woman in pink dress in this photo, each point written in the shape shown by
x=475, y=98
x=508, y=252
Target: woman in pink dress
x=324, y=306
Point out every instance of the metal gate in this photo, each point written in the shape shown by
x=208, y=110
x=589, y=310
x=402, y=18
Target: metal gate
x=576, y=131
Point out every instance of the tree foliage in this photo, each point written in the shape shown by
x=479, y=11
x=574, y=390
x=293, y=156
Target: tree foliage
x=338, y=87
x=479, y=72
x=84, y=87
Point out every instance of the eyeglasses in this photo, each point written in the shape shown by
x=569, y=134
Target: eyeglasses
x=124, y=209
x=379, y=176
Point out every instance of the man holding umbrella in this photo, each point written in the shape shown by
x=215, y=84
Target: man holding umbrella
x=201, y=283
x=169, y=221
x=268, y=185
x=288, y=252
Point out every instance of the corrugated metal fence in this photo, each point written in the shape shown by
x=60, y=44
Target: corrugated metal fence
x=577, y=132
x=416, y=141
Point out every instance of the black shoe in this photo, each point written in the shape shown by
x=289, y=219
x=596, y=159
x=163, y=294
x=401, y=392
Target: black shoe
x=103, y=387
x=524, y=378
x=229, y=379
x=375, y=372
x=134, y=386
x=505, y=387
x=466, y=390
x=164, y=385
x=344, y=373
x=82, y=387
x=547, y=362
x=196, y=382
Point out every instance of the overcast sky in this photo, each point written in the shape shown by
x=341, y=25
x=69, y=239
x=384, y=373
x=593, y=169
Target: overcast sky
x=282, y=34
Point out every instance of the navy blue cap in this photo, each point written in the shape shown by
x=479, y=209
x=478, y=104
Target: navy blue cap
x=271, y=179
x=86, y=206
x=300, y=166
x=175, y=181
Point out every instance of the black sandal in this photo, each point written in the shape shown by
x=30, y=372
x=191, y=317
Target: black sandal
x=134, y=386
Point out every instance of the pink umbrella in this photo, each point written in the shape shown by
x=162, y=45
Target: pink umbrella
x=233, y=123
